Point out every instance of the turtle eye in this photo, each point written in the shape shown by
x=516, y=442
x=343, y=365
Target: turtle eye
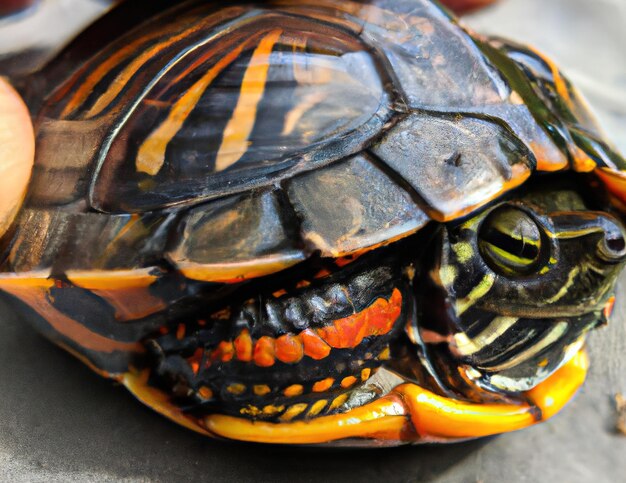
x=510, y=241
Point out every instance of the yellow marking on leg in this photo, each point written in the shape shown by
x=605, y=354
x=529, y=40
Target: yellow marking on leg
x=466, y=346
x=250, y=410
x=293, y=411
x=151, y=154
x=271, y=410
x=383, y=419
x=237, y=131
x=317, y=407
x=479, y=291
x=434, y=417
x=236, y=389
x=338, y=401
x=261, y=389
x=293, y=390
x=348, y=381
x=323, y=385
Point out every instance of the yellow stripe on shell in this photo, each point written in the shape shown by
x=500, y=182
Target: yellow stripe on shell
x=151, y=154
x=237, y=132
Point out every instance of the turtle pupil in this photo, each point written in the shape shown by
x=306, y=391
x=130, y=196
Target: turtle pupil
x=517, y=247
x=510, y=241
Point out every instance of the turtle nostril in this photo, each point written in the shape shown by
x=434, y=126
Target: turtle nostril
x=613, y=246
x=616, y=245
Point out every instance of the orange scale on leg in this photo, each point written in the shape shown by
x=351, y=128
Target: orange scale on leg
x=224, y=351
x=351, y=330
x=243, y=346
x=314, y=346
x=264, y=352
x=330, y=335
x=289, y=348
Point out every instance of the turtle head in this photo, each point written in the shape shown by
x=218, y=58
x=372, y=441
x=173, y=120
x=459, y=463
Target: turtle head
x=524, y=281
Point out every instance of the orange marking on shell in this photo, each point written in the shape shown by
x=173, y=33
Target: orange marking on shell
x=131, y=303
x=264, y=352
x=180, y=332
x=289, y=348
x=343, y=261
x=615, y=183
x=581, y=161
x=314, y=346
x=323, y=385
x=243, y=346
x=35, y=293
x=546, y=161
x=378, y=319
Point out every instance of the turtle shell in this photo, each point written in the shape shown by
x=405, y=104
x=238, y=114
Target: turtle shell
x=209, y=145
x=260, y=135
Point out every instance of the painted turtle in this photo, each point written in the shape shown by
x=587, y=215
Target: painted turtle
x=310, y=222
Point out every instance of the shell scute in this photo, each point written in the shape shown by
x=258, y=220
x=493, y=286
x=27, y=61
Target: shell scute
x=236, y=238
x=455, y=163
x=351, y=206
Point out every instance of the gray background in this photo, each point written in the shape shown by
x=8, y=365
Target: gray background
x=60, y=422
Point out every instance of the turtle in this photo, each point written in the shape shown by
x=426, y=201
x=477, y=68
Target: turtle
x=337, y=222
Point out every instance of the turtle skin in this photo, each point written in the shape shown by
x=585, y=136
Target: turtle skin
x=311, y=222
